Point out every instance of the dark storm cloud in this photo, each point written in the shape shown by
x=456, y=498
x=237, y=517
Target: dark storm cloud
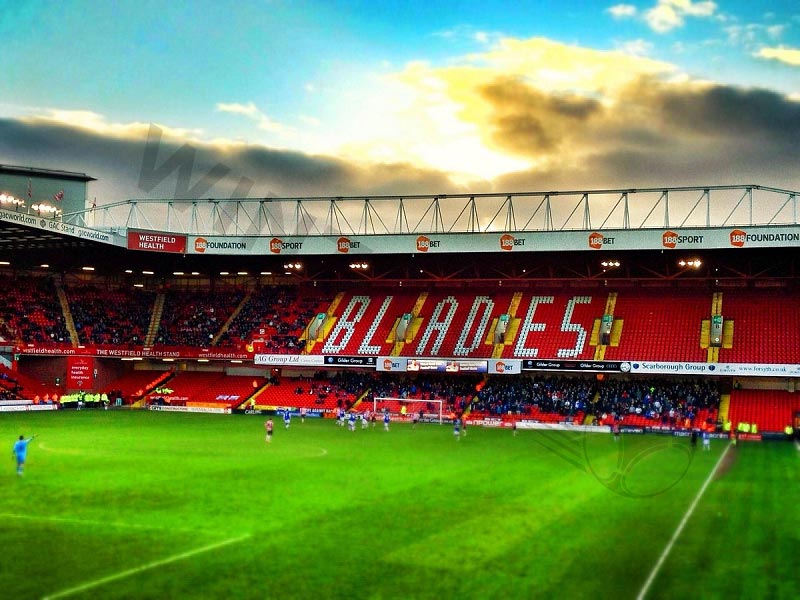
x=209, y=170
x=302, y=174
x=730, y=110
x=655, y=134
x=526, y=120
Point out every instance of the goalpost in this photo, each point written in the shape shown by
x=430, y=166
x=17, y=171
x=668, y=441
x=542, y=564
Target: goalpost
x=409, y=401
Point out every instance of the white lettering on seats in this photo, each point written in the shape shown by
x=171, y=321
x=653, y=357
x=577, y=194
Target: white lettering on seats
x=488, y=306
x=529, y=326
x=438, y=326
x=567, y=325
x=346, y=325
x=366, y=347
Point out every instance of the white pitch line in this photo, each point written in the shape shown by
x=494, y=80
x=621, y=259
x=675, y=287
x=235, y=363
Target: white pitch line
x=797, y=445
x=90, y=522
x=61, y=450
x=681, y=525
x=152, y=565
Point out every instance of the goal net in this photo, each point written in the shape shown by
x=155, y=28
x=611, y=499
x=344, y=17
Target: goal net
x=412, y=406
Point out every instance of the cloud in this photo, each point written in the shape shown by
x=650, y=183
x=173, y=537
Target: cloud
x=667, y=15
x=787, y=56
x=622, y=11
x=94, y=122
x=556, y=66
x=677, y=134
x=453, y=107
x=252, y=112
x=458, y=32
x=117, y=163
x=529, y=122
x=752, y=35
x=776, y=31
x=637, y=47
x=483, y=116
x=248, y=110
x=712, y=112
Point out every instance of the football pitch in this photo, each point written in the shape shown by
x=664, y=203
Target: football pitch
x=125, y=504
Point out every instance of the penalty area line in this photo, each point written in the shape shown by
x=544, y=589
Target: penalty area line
x=679, y=529
x=164, y=561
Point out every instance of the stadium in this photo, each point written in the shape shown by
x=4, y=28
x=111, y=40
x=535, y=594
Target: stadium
x=585, y=339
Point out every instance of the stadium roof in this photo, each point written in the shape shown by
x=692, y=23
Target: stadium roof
x=49, y=173
x=768, y=251
x=525, y=211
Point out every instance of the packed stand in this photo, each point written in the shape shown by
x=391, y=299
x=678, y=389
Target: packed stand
x=662, y=402
x=566, y=397
x=275, y=317
x=31, y=312
x=659, y=402
x=259, y=317
x=193, y=318
x=111, y=317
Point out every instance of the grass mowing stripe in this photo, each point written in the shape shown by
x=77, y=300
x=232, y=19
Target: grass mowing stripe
x=681, y=525
x=97, y=582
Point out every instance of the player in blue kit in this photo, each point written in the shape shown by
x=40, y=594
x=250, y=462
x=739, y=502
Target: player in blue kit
x=457, y=428
x=21, y=452
x=287, y=418
x=386, y=420
x=351, y=421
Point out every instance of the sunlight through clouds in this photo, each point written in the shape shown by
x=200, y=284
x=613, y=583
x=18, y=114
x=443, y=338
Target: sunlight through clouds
x=557, y=67
x=487, y=114
x=412, y=117
x=490, y=113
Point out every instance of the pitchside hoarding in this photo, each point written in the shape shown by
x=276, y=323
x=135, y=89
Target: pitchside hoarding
x=732, y=369
x=541, y=241
x=448, y=365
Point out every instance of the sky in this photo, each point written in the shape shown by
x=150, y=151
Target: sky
x=313, y=98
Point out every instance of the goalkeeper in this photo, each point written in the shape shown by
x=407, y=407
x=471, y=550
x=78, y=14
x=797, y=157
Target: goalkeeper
x=21, y=452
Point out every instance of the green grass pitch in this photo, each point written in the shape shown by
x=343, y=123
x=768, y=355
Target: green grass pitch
x=156, y=505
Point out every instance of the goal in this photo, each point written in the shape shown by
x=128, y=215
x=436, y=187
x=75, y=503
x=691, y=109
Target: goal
x=413, y=405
